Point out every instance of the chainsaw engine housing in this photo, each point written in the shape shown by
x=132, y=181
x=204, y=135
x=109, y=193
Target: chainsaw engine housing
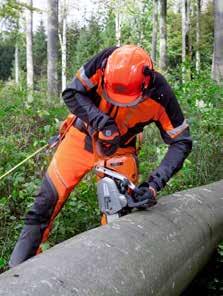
x=111, y=201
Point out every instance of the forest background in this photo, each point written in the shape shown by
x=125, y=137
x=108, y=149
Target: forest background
x=184, y=39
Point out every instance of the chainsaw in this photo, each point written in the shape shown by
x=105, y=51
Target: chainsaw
x=115, y=195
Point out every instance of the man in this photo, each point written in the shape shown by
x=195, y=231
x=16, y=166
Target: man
x=114, y=95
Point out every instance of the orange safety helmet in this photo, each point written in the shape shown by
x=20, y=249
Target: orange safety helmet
x=125, y=77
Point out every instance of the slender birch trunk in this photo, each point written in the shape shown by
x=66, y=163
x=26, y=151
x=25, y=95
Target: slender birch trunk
x=52, y=47
x=63, y=44
x=185, y=11
x=198, y=59
x=29, y=49
x=184, y=32
x=217, y=65
x=163, y=35
x=155, y=30
x=186, y=39
x=189, y=41
x=118, y=25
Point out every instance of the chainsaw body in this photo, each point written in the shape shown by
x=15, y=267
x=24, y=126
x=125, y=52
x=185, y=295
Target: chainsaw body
x=115, y=194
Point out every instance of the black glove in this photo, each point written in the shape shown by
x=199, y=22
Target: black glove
x=145, y=193
x=109, y=138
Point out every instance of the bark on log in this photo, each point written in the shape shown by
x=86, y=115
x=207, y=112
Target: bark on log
x=153, y=252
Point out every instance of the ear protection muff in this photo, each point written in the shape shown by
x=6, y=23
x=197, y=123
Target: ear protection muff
x=149, y=76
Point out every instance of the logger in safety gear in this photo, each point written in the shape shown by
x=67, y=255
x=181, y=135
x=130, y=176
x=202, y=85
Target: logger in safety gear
x=115, y=95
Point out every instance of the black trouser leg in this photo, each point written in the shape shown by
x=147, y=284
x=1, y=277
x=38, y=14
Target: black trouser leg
x=36, y=221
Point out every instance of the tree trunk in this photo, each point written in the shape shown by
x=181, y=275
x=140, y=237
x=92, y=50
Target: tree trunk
x=189, y=41
x=163, y=35
x=155, y=29
x=16, y=64
x=118, y=24
x=184, y=31
x=29, y=48
x=52, y=47
x=186, y=44
x=198, y=11
x=63, y=44
x=217, y=66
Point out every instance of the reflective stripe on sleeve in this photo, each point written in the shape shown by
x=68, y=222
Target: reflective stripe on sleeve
x=178, y=130
x=85, y=79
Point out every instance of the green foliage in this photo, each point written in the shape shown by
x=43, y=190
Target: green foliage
x=174, y=39
x=107, y=34
x=202, y=102
x=137, y=24
x=23, y=129
x=40, y=52
x=87, y=45
x=6, y=57
x=207, y=34
x=73, y=33
x=9, y=12
x=80, y=213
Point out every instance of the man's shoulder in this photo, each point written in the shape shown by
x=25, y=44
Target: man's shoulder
x=159, y=81
x=160, y=91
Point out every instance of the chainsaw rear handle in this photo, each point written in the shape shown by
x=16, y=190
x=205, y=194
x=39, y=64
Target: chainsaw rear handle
x=133, y=204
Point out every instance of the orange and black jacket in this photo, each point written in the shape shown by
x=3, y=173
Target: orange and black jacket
x=85, y=98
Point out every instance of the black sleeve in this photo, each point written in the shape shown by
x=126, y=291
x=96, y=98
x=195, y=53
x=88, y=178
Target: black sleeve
x=178, y=138
x=179, y=149
x=78, y=96
x=80, y=104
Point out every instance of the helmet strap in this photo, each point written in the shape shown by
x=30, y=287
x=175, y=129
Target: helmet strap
x=103, y=64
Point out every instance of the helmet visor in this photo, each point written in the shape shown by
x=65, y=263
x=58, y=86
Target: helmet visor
x=121, y=100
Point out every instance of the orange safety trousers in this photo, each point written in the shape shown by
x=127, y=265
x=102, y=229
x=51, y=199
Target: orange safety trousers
x=70, y=164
